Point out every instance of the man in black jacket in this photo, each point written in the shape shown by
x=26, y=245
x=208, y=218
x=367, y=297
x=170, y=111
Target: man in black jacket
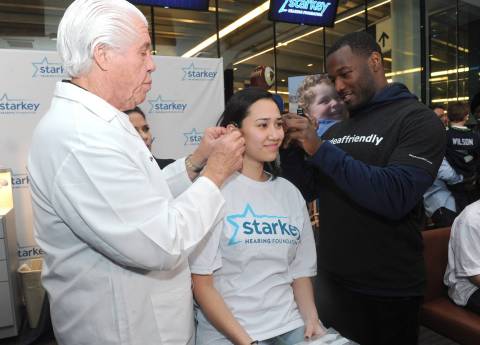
x=370, y=172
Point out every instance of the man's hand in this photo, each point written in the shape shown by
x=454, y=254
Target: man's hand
x=301, y=130
x=210, y=138
x=226, y=157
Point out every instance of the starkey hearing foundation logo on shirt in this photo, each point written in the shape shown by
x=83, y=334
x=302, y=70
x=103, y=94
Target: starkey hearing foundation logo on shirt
x=251, y=228
x=198, y=73
x=160, y=105
x=193, y=137
x=348, y=139
x=17, y=105
x=46, y=69
x=308, y=7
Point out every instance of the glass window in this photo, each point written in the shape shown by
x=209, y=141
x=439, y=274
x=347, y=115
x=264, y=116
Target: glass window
x=442, y=79
x=30, y=24
x=468, y=49
x=177, y=31
x=406, y=65
x=454, y=50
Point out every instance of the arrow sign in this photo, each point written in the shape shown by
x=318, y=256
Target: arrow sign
x=383, y=35
x=382, y=38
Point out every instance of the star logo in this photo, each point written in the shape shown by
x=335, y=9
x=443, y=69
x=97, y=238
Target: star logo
x=193, y=137
x=12, y=106
x=47, y=69
x=194, y=73
x=5, y=99
x=248, y=212
x=160, y=105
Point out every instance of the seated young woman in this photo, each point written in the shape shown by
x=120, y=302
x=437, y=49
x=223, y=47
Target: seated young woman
x=252, y=273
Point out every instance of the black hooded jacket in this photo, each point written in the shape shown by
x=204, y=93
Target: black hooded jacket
x=370, y=175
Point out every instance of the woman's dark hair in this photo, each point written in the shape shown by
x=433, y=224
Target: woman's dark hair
x=135, y=110
x=237, y=109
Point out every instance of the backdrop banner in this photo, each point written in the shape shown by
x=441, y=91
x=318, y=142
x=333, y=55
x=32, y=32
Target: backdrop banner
x=186, y=97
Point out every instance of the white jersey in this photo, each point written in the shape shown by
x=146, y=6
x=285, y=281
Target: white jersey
x=464, y=255
x=264, y=242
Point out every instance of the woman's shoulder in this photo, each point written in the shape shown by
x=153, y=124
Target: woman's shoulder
x=287, y=187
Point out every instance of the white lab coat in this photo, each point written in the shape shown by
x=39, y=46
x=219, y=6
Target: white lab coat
x=115, y=228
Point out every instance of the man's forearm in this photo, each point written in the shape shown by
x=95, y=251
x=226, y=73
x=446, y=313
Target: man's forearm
x=390, y=191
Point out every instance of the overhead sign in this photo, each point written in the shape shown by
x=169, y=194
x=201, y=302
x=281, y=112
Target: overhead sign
x=308, y=12
x=200, y=5
x=384, y=35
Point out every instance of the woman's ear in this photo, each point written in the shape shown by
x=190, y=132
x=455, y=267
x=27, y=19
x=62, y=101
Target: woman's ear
x=231, y=127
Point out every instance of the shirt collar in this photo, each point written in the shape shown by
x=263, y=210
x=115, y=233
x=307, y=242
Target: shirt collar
x=96, y=105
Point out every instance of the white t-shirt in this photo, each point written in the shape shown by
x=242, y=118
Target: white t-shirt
x=464, y=255
x=264, y=242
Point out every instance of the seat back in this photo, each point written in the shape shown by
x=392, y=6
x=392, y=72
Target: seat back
x=436, y=258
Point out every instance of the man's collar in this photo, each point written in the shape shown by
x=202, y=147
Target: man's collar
x=96, y=105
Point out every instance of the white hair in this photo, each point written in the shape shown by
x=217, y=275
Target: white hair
x=88, y=23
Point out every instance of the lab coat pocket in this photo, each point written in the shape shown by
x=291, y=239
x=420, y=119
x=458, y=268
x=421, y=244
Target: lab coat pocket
x=174, y=316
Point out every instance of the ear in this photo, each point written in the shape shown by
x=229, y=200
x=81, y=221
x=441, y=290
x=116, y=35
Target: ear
x=101, y=56
x=231, y=127
x=375, y=62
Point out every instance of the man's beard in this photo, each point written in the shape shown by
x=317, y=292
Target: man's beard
x=365, y=91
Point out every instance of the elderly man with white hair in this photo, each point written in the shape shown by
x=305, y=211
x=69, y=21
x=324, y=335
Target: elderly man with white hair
x=115, y=228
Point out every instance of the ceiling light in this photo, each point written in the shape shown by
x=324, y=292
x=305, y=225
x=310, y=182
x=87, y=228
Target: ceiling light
x=453, y=99
x=310, y=65
x=253, y=56
x=229, y=28
x=450, y=71
x=433, y=80
x=405, y=71
x=451, y=45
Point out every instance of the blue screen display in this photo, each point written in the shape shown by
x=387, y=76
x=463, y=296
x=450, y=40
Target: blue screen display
x=308, y=12
x=201, y=5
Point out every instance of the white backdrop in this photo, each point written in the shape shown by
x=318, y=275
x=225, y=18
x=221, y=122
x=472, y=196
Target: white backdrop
x=186, y=97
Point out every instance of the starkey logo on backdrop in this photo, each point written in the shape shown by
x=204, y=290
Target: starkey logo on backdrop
x=9, y=105
x=47, y=69
x=249, y=228
x=193, y=137
x=160, y=105
x=193, y=72
x=309, y=7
